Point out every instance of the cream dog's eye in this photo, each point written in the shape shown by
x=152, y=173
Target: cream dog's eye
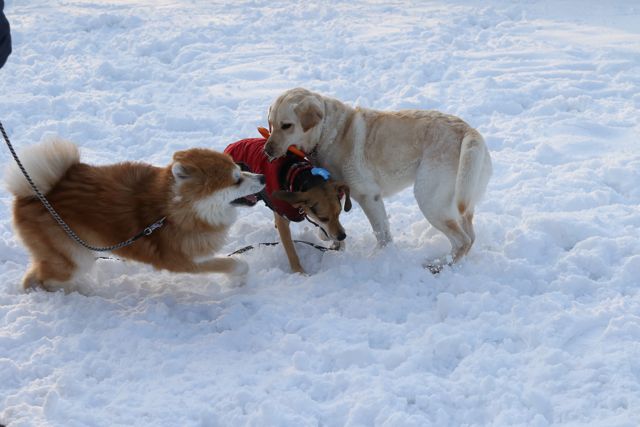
x=285, y=126
x=239, y=181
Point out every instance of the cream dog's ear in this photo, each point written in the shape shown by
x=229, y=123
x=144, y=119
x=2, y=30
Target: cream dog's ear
x=309, y=112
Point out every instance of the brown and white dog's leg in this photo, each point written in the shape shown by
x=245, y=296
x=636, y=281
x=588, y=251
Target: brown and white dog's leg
x=282, y=224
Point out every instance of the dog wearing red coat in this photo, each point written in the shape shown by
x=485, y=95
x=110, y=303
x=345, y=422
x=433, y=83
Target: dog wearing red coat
x=295, y=190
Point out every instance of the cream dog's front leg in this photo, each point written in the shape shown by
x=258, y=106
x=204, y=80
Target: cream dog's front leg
x=373, y=207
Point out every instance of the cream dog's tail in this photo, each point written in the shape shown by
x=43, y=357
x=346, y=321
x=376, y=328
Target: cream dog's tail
x=45, y=162
x=474, y=171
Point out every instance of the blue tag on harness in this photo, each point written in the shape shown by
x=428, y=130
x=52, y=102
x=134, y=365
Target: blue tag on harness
x=321, y=172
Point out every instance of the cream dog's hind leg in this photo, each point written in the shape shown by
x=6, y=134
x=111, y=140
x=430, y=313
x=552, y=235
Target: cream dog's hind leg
x=434, y=190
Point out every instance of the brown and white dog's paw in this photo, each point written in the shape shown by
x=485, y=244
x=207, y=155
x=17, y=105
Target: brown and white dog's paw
x=299, y=270
x=338, y=245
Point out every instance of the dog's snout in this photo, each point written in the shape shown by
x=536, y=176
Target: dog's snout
x=341, y=236
x=270, y=150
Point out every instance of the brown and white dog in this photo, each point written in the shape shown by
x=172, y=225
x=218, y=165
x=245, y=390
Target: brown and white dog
x=105, y=205
x=295, y=191
x=379, y=153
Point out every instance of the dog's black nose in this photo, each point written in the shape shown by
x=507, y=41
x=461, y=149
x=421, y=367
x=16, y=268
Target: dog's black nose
x=262, y=179
x=341, y=237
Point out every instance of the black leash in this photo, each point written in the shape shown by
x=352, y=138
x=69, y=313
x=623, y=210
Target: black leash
x=146, y=232
x=248, y=248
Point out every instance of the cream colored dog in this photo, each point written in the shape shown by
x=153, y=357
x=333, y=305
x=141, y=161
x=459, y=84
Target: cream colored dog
x=380, y=153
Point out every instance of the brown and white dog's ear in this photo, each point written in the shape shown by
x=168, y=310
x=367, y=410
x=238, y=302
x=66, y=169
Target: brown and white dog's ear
x=295, y=198
x=344, y=189
x=309, y=113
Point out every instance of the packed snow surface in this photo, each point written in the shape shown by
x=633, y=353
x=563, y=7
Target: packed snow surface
x=539, y=325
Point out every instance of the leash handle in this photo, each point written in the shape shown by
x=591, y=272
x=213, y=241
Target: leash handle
x=146, y=232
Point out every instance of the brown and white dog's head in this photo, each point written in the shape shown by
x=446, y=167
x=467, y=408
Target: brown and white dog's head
x=211, y=183
x=293, y=120
x=322, y=204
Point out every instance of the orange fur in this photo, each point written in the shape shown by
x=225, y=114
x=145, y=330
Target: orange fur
x=105, y=205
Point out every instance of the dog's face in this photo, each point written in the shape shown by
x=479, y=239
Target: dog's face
x=211, y=182
x=292, y=117
x=323, y=205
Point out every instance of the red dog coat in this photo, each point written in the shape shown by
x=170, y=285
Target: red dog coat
x=277, y=177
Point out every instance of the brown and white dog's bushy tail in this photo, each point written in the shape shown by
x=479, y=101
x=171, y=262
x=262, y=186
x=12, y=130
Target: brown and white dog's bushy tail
x=474, y=170
x=45, y=162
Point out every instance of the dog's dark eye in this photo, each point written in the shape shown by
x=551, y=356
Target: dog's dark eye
x=324, y=219
x=285, y=126
x=239, y=181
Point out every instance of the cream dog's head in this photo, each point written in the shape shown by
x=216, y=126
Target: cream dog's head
x=293, y=120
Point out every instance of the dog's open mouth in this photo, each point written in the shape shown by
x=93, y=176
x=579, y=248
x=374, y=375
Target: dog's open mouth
x=249, y=200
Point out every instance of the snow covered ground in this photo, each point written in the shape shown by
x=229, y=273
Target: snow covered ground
x=540, y=325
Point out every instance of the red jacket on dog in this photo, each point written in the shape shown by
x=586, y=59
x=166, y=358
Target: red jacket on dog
x=250, y=152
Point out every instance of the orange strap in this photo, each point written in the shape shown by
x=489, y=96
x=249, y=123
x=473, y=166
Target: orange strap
x=299, y=153
x=266, y=134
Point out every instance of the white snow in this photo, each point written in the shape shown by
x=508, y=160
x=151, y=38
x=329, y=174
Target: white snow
x=539, y=325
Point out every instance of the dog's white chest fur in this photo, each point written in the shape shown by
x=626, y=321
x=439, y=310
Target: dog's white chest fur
x=216, y=210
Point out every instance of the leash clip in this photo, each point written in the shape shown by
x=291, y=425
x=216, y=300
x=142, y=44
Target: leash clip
x=153, y=227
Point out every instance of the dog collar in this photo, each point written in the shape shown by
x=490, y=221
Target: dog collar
x=294, y=171
x=321, y=172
